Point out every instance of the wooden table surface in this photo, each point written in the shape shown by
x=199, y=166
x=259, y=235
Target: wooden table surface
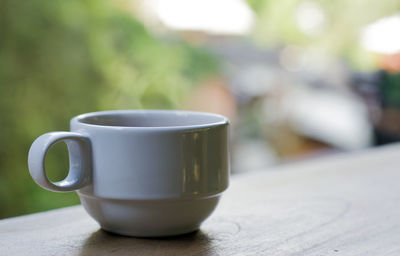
x=340, y=205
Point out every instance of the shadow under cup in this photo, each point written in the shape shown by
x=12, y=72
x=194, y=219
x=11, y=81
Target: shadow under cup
x=151, y=173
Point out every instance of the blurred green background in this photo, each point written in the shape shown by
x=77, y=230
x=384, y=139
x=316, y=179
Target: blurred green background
x=61, y=58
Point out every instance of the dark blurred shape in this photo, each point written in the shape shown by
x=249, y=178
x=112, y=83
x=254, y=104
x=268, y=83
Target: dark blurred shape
x=381, y=92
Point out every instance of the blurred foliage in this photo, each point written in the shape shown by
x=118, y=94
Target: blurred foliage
x=334, y=26
x=61, y=58
x=390, y=89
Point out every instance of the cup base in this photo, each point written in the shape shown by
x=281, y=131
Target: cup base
x=149, y=218
x=144, y=235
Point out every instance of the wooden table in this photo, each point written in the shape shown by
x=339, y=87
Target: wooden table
x=340, y=205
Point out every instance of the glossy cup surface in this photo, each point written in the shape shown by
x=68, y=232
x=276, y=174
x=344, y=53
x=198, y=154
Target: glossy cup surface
x=142, y=172
x=154, y=173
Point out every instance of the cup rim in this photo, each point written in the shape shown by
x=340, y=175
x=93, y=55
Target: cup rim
x=221, y=120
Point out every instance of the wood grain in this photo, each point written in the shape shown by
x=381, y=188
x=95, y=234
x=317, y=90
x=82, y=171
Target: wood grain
x=340, y=205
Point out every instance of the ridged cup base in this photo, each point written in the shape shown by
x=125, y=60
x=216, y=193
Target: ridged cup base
x=149, y=218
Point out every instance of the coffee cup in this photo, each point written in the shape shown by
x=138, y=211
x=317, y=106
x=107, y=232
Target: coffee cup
x=143, y=173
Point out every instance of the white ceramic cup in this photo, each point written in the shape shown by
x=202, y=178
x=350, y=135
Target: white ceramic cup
x=142, y=172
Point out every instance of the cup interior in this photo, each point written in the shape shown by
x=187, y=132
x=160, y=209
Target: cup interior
x=151, y=118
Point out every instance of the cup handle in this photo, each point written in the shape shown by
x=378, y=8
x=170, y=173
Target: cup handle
x=80, y=161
